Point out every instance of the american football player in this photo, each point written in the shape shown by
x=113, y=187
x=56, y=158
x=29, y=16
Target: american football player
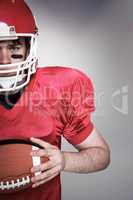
x=43, y=105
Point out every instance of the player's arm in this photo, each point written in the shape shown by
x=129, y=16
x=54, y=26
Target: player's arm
x=93, y=155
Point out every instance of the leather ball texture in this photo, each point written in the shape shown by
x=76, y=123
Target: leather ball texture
x=16, y=163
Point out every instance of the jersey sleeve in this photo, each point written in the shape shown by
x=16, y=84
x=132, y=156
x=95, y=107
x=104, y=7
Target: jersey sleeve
x=79, y=125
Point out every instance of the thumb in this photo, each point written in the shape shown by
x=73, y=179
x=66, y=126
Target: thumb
x=42, y=143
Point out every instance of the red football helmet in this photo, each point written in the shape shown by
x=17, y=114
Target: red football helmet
x=16, y=20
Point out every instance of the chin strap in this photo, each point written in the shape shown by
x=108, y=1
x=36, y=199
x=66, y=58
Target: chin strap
x=8, y=82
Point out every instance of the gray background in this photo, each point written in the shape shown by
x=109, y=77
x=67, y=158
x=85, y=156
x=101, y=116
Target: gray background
x=95, y=36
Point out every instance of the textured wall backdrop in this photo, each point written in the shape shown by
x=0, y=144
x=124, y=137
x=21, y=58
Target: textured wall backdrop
x=95, y=36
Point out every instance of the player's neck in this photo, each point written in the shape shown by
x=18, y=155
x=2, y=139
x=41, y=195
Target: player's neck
x=8, y=100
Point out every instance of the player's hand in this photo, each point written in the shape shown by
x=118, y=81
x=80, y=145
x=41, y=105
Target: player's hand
x=52, y=167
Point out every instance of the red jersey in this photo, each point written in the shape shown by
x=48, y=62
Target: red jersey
x=57, y=102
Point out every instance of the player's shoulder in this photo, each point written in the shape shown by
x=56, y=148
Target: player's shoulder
x=63, y=74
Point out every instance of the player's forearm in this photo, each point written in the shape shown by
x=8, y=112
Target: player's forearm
x=86, y=161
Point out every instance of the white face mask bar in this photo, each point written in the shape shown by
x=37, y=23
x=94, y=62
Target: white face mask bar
x=22, y=70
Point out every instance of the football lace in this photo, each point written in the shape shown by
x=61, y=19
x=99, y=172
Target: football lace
x=14, y=184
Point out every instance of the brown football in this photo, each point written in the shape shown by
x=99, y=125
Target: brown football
x=16, y=163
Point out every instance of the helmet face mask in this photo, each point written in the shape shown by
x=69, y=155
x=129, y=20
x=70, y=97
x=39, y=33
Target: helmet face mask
x=16, y=74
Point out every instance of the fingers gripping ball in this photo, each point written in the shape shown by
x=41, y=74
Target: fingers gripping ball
x=16, y=163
